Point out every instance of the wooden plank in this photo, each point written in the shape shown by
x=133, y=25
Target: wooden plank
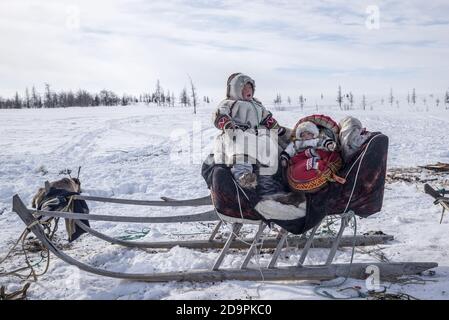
x=203, y=201
x=268, y=243
x=356, y=271
x=204, y=216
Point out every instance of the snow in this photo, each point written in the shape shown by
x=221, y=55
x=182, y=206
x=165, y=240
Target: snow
x=144, y=152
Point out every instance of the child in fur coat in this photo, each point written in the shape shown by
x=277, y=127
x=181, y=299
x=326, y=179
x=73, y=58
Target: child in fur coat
x=309, y=137
x=241, y=111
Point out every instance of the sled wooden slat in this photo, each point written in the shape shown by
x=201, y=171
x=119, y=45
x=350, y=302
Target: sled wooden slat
x=204, y=216
x=158, y=203
x=356, y=270
x=268, y=243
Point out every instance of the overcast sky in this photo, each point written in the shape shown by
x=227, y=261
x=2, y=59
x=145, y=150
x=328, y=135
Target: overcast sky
x=290, y=47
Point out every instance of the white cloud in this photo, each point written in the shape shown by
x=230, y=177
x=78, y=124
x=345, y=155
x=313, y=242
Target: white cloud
x=287, y=46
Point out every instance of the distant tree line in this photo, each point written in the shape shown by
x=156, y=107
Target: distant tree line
x=83, y=98
x=64, y=99
x=346, y=101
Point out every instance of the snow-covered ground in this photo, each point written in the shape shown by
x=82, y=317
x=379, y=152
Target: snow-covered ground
x=142, y=152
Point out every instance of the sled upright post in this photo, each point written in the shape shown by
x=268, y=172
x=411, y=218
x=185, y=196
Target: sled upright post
x=308, y=244
x=215, y=231
x=277, y=252
x=253, y=247
x=235, y=230
x=344, y=223
x=336, y=243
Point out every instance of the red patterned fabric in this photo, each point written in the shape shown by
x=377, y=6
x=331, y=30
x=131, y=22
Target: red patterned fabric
x=308, y=173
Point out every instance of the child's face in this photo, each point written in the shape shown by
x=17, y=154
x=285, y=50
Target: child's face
x=306, y=135
x=247, y=92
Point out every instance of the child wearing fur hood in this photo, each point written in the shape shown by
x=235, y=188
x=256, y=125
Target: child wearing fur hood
x=241, y=111
x=307, y=136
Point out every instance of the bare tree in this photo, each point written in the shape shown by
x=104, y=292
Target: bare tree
x=391, y=97
x=193, y=94
x=446, y=99
x=301, y=101
x=172, y=99
x=339, y=97
x=34, y=98
x=17, y=101
x=27, y=98
x=47, y=97
x=278, y=99
x=158, y=93
x=184, y=98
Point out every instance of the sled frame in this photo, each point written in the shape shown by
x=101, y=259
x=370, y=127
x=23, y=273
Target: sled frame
x=355, y=270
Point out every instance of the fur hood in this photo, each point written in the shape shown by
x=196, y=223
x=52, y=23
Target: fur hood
x=352, y=136
x=236, y=82
x=307, y=126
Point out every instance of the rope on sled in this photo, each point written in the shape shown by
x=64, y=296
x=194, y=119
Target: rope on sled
x=45, y=255
x=31, y=266
x=134, y=235
x=377, y=295
x=348, y=215
x=20, y=294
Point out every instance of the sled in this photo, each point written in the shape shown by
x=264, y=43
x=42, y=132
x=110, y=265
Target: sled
x=212, y=243
x=208, y=216
x=327, y=271
x=439, y=199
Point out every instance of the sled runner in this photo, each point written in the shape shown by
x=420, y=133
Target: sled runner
x=439, y=199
